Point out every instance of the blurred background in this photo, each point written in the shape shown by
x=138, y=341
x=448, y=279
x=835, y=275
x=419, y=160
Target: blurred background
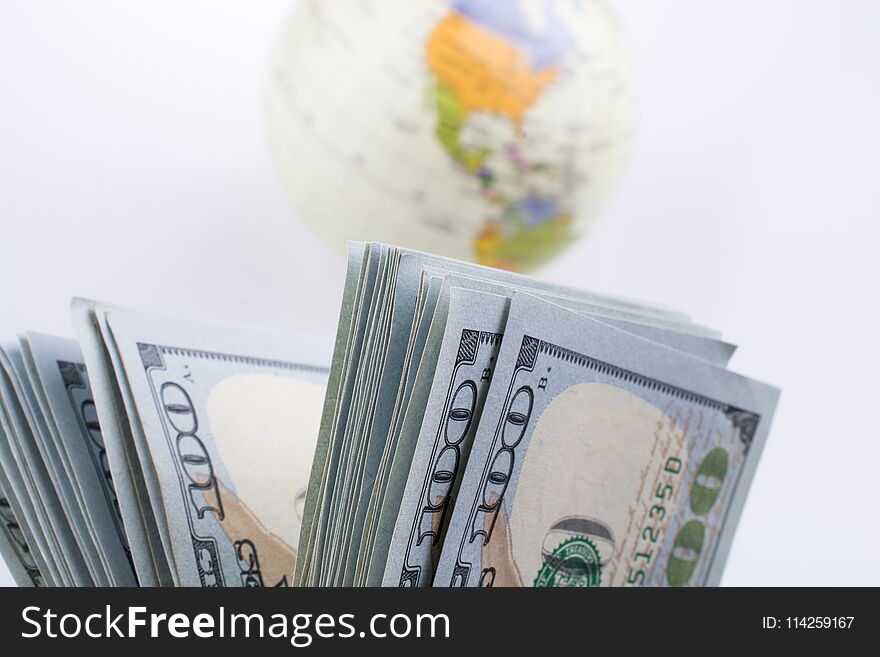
x=137, y=166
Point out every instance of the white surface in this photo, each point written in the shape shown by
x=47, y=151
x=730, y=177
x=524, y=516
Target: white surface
x=134, y=168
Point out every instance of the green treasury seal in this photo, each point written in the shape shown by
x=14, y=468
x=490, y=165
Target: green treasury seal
x=575, y=562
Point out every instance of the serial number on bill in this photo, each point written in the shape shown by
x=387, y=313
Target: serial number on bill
x=808, y=622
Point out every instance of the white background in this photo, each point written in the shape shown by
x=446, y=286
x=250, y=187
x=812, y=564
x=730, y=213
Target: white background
x=134, y=168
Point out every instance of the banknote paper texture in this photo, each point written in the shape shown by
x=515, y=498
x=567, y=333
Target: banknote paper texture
x=15, y=550
x=230, y=428
x=607, y=460
x=473, y=335
x=70, y=409
x=385, y=297
x=34, y=464
x=151, y=564
x=452, y=413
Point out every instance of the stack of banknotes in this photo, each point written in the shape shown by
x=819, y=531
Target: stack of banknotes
x=470, y=427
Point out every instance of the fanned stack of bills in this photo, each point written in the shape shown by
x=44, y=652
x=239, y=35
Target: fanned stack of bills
x=479, y=428
x=156, y=452
x=482, y=428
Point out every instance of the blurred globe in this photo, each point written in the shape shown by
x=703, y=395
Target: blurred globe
x=488, y=130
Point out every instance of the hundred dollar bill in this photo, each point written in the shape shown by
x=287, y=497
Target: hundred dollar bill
x=223, y=421
x=58, y=370
x=387, y=488
x=378, y=321
x=22, y=513
x=471, y=337
x=33, y=466
x=141, y=530
x=31, y=396
x=602, y=459
x=435, y=461
x=15, y=550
